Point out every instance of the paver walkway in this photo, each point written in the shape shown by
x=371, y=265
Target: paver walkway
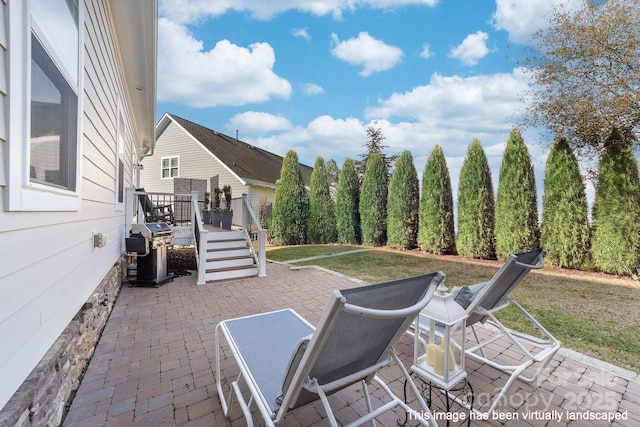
x=154, y=364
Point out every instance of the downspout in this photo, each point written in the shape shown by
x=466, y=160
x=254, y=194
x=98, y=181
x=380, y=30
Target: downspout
x=147, y=153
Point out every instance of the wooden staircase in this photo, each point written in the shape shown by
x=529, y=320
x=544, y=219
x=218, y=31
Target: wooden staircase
x=228, y=256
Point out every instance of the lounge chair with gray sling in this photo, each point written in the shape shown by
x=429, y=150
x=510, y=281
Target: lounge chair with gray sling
x=482, y=301
x=285, y=362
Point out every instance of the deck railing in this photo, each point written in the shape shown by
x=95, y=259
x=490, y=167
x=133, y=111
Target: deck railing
x=182, y=211
x=255, y=235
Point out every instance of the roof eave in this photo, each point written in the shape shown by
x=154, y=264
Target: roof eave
x=136, y=28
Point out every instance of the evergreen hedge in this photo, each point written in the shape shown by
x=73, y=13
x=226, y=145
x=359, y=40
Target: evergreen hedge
x=322, y=222
x=373, y=202
x=616, y=212
x=291, y=208
x=565, y=223
x=436, y=231
x=517, y=207
x=403, y=204
x=347, y=204
x=476, y=206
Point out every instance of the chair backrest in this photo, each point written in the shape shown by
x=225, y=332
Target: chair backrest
x=357, y=330
x=503, y=283
x=151, y=212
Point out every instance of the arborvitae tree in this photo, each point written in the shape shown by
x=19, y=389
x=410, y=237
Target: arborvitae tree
x=476, y=206
x=616, y=212
x=373, y=202
x=436, y=232
x=321, y=227
x=517, y=206
x=403, y=204
x=347, y=204
x=565, y=224
x=291, y=209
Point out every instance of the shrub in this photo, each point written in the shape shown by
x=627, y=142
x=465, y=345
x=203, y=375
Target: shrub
x=291, y=209
x=402, y=204
x=517, y=207
x=436, y=232
x=373, y=202
x=322, y=223
x=565, y=225
x=616, y=211
x=347, y=202
x=476, y=206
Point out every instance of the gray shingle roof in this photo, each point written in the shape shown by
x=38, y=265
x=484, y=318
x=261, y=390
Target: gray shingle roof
x=245, y=160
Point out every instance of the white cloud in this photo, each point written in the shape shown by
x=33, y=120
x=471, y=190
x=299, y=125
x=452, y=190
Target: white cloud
x=472, y=48
x=255, y=122
x=228, y=74
x=521, y=18
x=188, y=11
x=372, y=54
x=312, y=89
x=426, y=51
x=301, y=33
x=481, y=103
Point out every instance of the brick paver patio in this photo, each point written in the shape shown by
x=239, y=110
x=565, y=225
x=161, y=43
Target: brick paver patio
x=154, y=364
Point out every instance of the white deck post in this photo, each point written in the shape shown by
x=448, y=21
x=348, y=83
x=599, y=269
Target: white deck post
x=197, y=227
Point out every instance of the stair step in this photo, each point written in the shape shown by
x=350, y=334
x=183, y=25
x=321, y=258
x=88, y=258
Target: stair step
x=229, y=262
x=223, y=244
x=225, y=235
x=230, y=273
x=227, y=253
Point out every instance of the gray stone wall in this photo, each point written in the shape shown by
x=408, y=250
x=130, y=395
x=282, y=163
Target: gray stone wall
x=42, y=399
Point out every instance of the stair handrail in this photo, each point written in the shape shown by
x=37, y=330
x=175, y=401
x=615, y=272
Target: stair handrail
x=199, y=239
x=249, y=218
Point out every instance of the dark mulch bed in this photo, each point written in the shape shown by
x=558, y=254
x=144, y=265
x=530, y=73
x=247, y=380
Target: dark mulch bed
x=181, y=258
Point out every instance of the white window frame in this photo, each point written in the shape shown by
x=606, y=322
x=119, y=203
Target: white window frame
x=162, y=159
x=120, y=160
x=23, y=194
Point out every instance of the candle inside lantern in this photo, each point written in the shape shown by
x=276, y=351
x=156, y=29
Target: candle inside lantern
x=431, y=354
x=438, y=360
x=452, y=361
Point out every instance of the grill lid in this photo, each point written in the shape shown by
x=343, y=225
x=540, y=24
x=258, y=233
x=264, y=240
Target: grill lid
x=150, y=230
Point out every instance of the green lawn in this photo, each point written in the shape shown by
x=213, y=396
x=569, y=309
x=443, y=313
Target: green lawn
x=595, y=316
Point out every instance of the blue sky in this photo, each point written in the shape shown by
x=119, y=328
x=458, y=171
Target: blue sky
x=312, y=75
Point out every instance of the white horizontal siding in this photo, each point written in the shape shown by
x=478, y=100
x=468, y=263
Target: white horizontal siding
x=48, y=266
x=3, y=92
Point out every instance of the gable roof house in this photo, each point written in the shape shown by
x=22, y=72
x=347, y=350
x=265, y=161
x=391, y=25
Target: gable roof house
x=78, y=91
x=189, y=156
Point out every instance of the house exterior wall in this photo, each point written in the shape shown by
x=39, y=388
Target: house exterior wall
x=195, y=162
x=49, y=267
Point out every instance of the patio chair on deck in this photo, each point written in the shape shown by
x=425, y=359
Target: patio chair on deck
x=285, y=363
x=483, y=300
x=155, y=213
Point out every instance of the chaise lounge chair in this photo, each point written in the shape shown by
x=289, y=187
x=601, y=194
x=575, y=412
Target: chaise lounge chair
x=285, y=363
x=483, y=300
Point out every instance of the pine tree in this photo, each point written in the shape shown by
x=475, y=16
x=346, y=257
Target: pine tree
x=402, y=204
x=347, y=204
x=517, y=207
x=476, y=206
x=374, y=145
x=322, y=223
x=436, y=232
x=291, y=209
x=616, y=212
x=373, y=202
x=565, y=224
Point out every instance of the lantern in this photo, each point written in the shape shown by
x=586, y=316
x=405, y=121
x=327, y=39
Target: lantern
x=439, y=341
